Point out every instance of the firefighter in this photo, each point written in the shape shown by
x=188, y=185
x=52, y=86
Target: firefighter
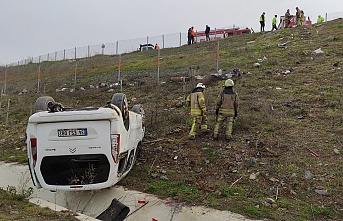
x=287, y=18
x=302, y=17
x=274, y=23
x=226, y=109
x=196, y=101
x=298, y=16
x=262, y=21
x=320, y=19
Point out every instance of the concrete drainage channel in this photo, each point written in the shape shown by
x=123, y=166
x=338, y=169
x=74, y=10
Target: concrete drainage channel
x=115, y=203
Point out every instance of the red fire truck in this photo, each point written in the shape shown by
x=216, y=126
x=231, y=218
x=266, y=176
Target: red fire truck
x=221, y=33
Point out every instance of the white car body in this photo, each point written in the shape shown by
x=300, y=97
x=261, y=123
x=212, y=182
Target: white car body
x=83, y=149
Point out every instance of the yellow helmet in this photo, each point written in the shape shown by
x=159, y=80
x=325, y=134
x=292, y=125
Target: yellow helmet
x=229, y=83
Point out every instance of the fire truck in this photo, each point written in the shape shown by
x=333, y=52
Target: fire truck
x=221, y=33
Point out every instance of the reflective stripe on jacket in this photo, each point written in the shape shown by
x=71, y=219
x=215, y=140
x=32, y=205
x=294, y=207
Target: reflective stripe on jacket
x=228, y=102
x=197, y=102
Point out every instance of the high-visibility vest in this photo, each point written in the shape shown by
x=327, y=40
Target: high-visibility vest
x=262, y=18
x=228, y=102
x=274, y=21
x=197, y=101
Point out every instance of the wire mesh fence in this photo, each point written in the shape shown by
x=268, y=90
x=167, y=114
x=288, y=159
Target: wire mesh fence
x=114, y=48
x=333, y=16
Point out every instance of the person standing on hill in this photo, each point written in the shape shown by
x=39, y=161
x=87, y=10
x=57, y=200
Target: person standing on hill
x=320, y=19
x=226, y=109
x=157, y=47
x=196, y=101
x=262, y=21
x=302, y=17
x=189, y=36
x=207, y=32
x=287, y=18
x=274, y=23
x=192, y=35
x=298, y=16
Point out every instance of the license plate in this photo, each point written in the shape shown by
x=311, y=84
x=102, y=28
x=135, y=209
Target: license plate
x=72, y=132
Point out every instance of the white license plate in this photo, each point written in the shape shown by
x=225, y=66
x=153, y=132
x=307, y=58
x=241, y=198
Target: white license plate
x=72, y=132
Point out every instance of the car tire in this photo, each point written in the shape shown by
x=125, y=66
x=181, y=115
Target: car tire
x=120, y=100
x=131, y=160
x=42, y=103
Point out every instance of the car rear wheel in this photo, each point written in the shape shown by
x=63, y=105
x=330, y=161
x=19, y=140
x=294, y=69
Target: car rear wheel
x=42, y=103
x=120, y=100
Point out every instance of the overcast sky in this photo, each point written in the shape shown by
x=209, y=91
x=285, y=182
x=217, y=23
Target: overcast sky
x=37, y=27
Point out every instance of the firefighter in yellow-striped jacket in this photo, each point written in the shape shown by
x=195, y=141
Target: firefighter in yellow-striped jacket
x=196, y=101
x=226, y=109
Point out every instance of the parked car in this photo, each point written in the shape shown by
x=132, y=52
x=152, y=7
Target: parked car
x=146, y=47
x=83, y=149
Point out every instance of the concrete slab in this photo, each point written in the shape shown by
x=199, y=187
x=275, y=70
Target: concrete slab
x=143, y=207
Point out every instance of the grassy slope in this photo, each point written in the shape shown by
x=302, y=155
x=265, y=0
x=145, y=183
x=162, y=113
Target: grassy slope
x=268, y=127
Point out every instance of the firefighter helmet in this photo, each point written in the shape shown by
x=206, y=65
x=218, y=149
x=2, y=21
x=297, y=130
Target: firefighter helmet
x=201, y=85
x=229, y=83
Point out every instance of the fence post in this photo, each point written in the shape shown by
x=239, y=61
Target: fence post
x=326, y=16
x=38, y=81
x=218, y=56
x=88, y=51
x=64, y=54
x=2, y=90
x=5, y=80
x=162, y=41
x=55, y=55
x=75, y=53
x=39, y=59
x=180, y=39
x=158, y=66
x=75, y=71
x=8, y=110
x=117, y=46
x=47, y=58
x=119, y=64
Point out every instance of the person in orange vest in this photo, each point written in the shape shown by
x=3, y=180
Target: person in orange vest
x=157, y=47
x=193, y=35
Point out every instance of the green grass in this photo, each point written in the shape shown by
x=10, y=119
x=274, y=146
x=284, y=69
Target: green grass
x=179, y=190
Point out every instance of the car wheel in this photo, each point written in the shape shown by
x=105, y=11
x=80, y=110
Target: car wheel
x=42, y=103
x=119, y=99
x=131, y=160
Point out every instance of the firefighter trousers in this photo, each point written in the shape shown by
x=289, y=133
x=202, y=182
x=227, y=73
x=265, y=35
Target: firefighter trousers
x=220, y=120
x=198, y=122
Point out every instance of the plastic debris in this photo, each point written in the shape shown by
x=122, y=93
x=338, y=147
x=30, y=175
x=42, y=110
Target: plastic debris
x=318, y=51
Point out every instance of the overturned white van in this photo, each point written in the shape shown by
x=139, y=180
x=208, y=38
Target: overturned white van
x=83, y=149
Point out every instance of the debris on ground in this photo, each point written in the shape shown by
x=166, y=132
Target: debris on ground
x=318, y=51
x=284, y=45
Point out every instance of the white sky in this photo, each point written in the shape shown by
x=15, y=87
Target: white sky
x=37, y=27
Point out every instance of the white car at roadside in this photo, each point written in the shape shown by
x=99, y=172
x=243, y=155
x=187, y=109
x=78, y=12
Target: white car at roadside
x=83, y=149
